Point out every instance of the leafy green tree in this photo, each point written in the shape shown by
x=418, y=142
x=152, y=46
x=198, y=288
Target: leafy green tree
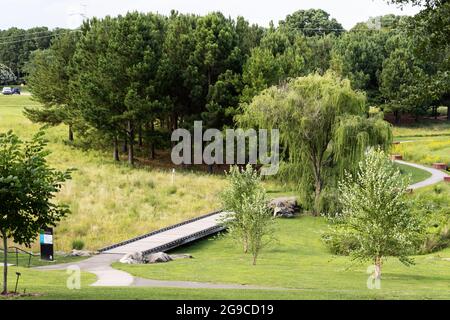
x=323, y=126
x=402, y=84
x=428, y=31
x=260, y=222
x=116, y=63
x=248, y=217
x=281, y=55
x=6, y=74
x=312, y=22
x=27, y=188
x=18, y=44
x=375, y=215
x=358, y=55
x=49, y=76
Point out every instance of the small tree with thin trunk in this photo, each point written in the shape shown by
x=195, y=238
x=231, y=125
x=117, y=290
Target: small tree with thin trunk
x=249, y=219
x=27, y=186
x=375, y=216
x=259, y=222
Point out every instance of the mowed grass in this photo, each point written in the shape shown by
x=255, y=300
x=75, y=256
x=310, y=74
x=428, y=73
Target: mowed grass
x=422, y=129
x=427, y=151
x=303, y=262
x=415, y=174
x=111, y=202
x=24, y=260
x=52, y=285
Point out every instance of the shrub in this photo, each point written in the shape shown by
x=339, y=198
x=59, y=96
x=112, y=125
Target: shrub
x=171, y=190
x=78, y=244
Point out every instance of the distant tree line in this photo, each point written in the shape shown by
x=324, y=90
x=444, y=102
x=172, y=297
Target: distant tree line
x=135, y=78
x=16, y=46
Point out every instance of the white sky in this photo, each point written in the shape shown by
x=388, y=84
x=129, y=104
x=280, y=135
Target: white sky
x=66, y=13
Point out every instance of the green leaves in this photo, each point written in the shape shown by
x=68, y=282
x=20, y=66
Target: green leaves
x=376, y=219
x=27, y=187
x=248, y=219
x=323, y=125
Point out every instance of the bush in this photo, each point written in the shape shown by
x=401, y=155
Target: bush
x=434, y=205
x=78, y=244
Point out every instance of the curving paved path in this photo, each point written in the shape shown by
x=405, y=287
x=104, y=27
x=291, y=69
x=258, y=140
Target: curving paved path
x=100, y=265
x=436, y=175
x=107, y=276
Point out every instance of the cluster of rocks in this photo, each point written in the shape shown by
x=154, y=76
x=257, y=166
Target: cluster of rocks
x=82, y=253
x=158, y=257
x=285, y=207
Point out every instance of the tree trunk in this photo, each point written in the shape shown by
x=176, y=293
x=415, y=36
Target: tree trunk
x=140, y=136
x=5, y=263
x=317, y=192
x=397, y=117
x=152, y=142
x=131, y=143
x=70, y=133
x=378, y=268
x=116, y=149
x=245, y=245
x=448, y=113
x=125, y=145
x=255, y=256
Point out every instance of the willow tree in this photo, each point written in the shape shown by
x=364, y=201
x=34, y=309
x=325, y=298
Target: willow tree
x=324, y=129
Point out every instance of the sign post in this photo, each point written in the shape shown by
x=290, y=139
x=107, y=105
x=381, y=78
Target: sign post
x=46, y=240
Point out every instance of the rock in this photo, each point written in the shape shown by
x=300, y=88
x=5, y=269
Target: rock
x=180, y=256
x=157, y=257
x=133, y=258
x=81, y=253
x=285, y=207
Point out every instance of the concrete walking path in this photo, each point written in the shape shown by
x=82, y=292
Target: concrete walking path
x=107, y=276
x=436, y=175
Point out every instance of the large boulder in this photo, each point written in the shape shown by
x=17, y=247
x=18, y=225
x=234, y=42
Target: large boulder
x=82, y=253
x=157, y=257
x=133, y=258
x=285, y=207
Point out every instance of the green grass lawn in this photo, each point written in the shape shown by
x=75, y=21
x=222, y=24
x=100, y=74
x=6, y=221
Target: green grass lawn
x=299, y=260
x=422, y=129
x=23, y=260
x=416, y=174
x=51, y=285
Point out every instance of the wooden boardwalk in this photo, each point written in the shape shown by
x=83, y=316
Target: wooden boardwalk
x=170, y=237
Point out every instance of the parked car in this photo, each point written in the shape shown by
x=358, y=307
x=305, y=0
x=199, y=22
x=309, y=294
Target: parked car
x=7, y=90
x=15, y=90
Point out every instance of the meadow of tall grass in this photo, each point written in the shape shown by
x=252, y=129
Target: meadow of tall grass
x=426, y=151
x=111, y=202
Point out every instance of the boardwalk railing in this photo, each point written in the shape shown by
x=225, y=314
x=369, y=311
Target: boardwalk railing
x=175, y=243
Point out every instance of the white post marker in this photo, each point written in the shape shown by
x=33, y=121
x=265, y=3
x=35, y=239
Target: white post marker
x=173, y=176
